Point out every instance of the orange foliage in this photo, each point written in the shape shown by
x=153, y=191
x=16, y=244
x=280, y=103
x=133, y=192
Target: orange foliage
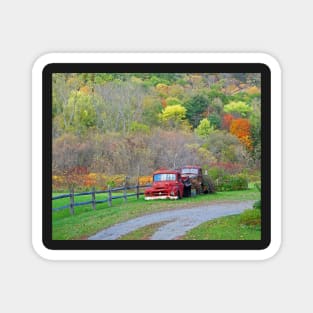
x=163, y=102
x=90, y=180
x=253, y=90
x=241, y=128
x=227, y=120
x=85, y=89
x=144, y=180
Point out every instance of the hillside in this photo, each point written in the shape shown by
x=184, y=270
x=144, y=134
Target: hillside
x=131, y=124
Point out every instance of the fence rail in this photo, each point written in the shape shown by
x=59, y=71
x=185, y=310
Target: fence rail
x=93, y=194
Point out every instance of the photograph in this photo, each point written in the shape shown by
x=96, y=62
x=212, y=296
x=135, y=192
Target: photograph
x=156, y=156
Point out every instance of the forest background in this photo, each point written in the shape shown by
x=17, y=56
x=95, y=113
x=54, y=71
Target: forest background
x=110, y=126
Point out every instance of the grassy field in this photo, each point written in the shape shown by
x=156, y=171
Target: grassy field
x=244, y=226
x=86, y=221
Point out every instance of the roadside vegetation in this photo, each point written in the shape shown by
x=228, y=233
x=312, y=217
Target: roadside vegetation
x=87, y=222
x=244, y=226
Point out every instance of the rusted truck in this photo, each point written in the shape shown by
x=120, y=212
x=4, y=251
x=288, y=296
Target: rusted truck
x=168, y=184
x=175, y=184
x=199, y=182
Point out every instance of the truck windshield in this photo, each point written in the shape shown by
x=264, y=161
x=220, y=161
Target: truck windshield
x=189, y=171
x=163, y=177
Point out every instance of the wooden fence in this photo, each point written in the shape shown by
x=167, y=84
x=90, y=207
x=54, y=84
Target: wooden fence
x=136, y=193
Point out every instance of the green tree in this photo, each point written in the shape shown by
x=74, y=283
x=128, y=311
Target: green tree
x=255, y=121
x=195, y=106
x=238, y=108
x=152, y=108
x=80, y=112
x=215, y=120
x=173, y=115
x=204, y=129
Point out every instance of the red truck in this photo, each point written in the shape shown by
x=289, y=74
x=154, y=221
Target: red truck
x=167, y=184
x=175, y=184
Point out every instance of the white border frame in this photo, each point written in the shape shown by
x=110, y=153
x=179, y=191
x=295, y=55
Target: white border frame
x=156, y=255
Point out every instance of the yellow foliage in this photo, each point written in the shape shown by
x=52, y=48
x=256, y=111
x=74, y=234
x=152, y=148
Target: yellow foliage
x=145, y=180
x=174, y=112
x=98, y=180
x=253, y=90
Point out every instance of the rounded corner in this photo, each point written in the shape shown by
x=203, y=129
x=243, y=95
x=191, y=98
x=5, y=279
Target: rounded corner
x=42, y=62
x=271, y=250
x=41, y=249
x=270, y=62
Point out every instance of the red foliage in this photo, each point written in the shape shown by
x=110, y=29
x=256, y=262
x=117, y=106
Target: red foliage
x=228, y=167
x=241, y=128
x=78, y=170
x=227, y=120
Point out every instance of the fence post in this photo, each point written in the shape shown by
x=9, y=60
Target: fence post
x=93, y=197
x=137, y=187
x=125, y=193
x=110, y=196
x=72, y=201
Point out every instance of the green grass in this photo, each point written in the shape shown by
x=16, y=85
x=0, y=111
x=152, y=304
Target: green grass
x=87, y=221
x=143, y=233
x=244, y=226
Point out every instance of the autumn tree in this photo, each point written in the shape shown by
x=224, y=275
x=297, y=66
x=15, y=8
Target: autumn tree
x=240, y=108
x=241, y=128
x=173, y=116
x=227, y=119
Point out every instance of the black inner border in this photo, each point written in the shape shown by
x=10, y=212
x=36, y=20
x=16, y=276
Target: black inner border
x=156, y=68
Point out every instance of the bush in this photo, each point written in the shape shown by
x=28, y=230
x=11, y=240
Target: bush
x=231, y=182
x=216, y=172
x=257, y=205
x=250, y=217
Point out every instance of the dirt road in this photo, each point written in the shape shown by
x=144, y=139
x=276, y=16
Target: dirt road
x=178, y=221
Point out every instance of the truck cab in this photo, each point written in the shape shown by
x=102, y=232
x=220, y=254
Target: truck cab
x=167, y=184
x=200, y=183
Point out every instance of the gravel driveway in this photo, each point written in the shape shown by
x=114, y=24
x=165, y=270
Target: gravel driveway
x=179, y=221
